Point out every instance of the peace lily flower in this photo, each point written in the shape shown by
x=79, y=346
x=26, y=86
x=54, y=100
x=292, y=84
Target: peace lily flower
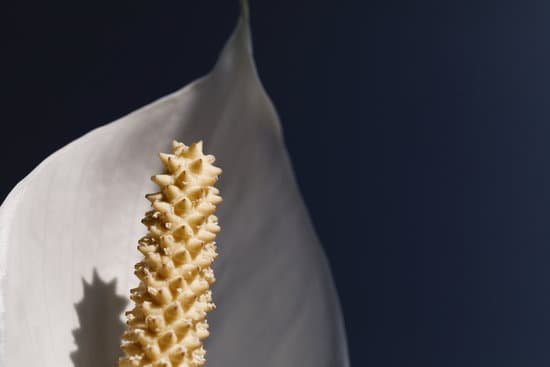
x=68, y=235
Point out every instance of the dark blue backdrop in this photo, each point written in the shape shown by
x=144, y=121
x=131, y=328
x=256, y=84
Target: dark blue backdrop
x=418, y=129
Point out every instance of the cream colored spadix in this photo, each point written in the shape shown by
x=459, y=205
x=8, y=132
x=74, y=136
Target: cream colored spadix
x=77, y=211
x=168, y=323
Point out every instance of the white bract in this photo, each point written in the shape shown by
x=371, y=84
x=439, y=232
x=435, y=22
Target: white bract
x=79, y=212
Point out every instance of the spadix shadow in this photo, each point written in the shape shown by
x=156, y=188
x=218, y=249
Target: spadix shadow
x=98, y=337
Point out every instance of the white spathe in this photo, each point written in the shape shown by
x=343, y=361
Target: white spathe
x=79, y=211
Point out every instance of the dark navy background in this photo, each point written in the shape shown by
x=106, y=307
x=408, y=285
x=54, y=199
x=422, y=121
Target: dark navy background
x=419, y=131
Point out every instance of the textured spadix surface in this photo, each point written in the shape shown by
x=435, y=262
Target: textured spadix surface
x=168, y=323
x=79, y=211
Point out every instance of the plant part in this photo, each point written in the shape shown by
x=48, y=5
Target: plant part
x=76, y=214
x=168, y=322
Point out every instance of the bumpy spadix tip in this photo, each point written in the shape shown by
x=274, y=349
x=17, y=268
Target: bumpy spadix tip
x=168, y=322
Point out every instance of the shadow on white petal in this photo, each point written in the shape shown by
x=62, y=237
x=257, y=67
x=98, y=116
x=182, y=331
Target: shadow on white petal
x=100, y=326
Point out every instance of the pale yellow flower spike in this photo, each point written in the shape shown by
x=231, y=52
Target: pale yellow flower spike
x=168, y=322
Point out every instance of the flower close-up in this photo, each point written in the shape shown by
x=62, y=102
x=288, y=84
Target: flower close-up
x=69, y=231
x=255, y=183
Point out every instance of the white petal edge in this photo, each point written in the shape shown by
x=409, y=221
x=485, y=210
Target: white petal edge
x=79, y=210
